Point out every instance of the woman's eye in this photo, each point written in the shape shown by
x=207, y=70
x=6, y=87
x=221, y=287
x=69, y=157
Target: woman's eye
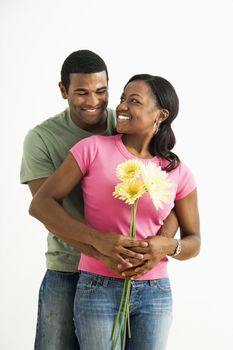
x=133, y=100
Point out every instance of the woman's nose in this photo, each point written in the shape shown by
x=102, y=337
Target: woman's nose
x=122, y=106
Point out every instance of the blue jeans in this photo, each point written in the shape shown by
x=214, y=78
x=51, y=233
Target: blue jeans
x=96, y=304
x=55, y=325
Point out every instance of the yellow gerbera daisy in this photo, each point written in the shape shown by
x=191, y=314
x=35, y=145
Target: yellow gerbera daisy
x=129, y=191
x=129, y=170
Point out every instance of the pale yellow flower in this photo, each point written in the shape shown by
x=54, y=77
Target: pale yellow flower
x=158, y=185
x=129, y=170
x=129, y=191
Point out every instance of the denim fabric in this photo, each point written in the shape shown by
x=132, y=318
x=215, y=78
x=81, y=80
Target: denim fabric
x=55, y=325
x=96, y=304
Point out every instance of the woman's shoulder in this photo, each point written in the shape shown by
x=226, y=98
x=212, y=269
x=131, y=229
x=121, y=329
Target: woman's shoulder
x=100, y=139
x=95, y=142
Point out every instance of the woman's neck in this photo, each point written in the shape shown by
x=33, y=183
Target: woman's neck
x=138, y=145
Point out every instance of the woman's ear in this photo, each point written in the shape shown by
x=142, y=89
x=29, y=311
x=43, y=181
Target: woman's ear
x=164, y=115
x=63, y=90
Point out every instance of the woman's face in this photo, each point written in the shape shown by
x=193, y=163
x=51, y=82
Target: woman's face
x=137, y=112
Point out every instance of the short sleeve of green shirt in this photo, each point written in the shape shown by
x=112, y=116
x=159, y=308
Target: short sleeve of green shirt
x=36, y=161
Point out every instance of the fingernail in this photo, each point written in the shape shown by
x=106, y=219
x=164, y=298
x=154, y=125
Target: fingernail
x=123, y=274
x=119, y=266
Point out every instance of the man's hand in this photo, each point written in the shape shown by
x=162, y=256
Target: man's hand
x=119, y=247
x=113, y=266
x=158, y=248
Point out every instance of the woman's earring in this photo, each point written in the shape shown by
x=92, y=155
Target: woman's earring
x=156, y=127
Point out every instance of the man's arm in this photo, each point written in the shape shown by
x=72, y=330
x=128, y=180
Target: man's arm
x=34, y=186
x=170, y=226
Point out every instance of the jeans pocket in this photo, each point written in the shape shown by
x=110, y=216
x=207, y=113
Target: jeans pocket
x=86, y=285
x=164, y=284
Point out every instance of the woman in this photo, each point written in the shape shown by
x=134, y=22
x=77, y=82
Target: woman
x=148, y=106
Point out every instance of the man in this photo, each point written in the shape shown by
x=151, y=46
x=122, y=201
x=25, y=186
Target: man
x=84, y=83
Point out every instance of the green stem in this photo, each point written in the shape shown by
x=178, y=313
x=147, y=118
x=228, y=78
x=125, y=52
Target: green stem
x=119, y=310
x=128, y=323
x=127, y=294
x=125, y=297
x=126, y=314
x=133, y=219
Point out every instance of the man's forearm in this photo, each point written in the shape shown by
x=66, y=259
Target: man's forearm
x=170, y=226
x=92, y=252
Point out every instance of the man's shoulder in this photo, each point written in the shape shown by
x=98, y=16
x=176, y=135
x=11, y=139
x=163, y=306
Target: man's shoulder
x=55, y=120
x=111, y=111
x=111, y=114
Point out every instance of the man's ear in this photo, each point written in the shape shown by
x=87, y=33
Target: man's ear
x=63, y=90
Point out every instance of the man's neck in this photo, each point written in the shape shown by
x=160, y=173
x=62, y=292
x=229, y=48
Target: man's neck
x=94, y=128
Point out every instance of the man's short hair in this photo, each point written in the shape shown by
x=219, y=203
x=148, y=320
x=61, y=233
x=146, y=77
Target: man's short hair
x=81, y=61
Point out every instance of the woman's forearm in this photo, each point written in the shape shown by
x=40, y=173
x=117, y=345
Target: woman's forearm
x=190, y=247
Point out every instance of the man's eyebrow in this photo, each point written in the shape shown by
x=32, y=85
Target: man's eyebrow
x=102, y=87
x=83, y=89
x=80, y=89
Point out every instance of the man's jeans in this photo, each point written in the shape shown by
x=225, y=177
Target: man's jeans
x=55, y=325
x=96, y=304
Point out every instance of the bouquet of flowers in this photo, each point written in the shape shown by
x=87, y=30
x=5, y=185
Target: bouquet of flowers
x=136, y=179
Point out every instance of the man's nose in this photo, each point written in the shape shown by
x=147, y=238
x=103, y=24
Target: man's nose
x=92, y=100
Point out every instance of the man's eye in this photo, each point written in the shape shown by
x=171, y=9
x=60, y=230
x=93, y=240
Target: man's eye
x=122, y=99
x=100, y=92
x=81, y=93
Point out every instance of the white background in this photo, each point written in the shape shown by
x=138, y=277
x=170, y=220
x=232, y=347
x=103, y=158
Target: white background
x=187, y=42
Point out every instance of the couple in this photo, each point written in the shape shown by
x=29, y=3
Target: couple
x=148, y=106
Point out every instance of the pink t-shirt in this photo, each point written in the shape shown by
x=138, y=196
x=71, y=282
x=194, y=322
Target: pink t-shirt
x=98, y=157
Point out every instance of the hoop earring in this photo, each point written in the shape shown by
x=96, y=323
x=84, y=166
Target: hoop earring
x=156, y=127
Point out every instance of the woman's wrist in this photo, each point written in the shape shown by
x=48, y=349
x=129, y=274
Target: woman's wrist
x=177, y=249
x=172, y=246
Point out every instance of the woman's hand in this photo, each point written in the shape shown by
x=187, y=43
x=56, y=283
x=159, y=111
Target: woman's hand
x=158, y=247
x=119, y=247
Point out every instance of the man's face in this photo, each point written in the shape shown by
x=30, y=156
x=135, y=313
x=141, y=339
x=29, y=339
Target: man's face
x=87, y=98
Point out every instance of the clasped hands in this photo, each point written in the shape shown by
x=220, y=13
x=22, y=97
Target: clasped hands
x=132, y=258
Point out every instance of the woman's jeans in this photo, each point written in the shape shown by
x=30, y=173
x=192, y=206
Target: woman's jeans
x=96, y=304
x=55, y=325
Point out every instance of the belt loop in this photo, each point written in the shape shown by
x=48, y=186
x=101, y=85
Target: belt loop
x=100, y=280
x=105, y=281
x=152, y=283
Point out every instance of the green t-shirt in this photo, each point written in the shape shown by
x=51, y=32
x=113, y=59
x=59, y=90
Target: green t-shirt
x=45, y=148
